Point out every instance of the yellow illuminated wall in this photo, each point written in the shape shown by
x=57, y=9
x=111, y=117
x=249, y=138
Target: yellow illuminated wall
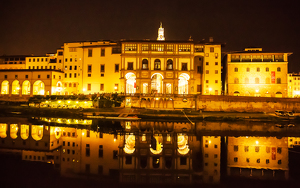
x=257, y=73
x=294, y=85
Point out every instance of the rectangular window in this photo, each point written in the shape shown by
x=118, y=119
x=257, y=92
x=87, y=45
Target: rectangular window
x=216, y=71
x=100, y=154
x=66, y=75
x=216, y=55
x=130, y=47
x=199, y=88
x=184, y=66
x=170, y=47
x=66, y=60
x=75, y=67
x=198, y=48
x=207, y=72
x=183, y=160
x=89, y=68
x=236, y=148
x=26, y=76
x=115, y=154
x=70, y=59
x=102, y=68
x=75, y=75
x=116, y=67
x=29, y=60
x=89, y=88
x=145, y=47
x=101, y=87
x=211, y=49
x=90, y=52
x=60, y=53
x=130, y=66
x=128, y=160
x=42, y=59
x=184, y=48
x=87, y=152
x=103, y=52
x=246, y=148
x=70, y=67
x=70, y=75
x=5, y=76
x=157, y=47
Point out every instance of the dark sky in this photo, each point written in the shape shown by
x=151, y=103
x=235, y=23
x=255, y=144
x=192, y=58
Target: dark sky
x=42, y=26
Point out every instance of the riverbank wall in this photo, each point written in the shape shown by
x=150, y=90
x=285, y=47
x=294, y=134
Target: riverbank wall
x=215, y=103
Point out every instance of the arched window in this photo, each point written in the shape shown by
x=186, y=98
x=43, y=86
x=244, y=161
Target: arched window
x=246, y=80
x=236, y=80
x=169, y=64
x=248, y=69
x=70, y=84
x=236, y=69
x=257, y=80
x=267, y=69
x=278, y=69
x=74, y=85
x=145, y=64
x=278, y=80
x=157, y=64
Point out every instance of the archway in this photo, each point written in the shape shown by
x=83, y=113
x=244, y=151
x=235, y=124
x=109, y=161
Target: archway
x=183, y=84
x=278, y=94
x=38, y=88
x=37, y=132
x=145, y=87
x=3, y=129
x=236, y=93
x=24, y=131
x=13, y=131
x=130, y=83
x=5, y=87
x=58, y=89
x=26, y=88
x=156, y=144
x=168, y=88
x=157, y=83
x=182, y=143
x=129, y=147
x=15, y=87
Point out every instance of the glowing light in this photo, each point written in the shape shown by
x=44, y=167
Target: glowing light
x=116, y=87
x=210, y=89
x=18, y=88
x=209, y=141
x=256, y=142
x=69, y=101
x=83, y=89
x=82, y=133
x=59, y=101
x=257, y=91
x=115, y=139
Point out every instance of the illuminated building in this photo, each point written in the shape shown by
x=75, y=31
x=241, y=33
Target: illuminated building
x=90, y=67
x=294, y=85
x=171, y=67
x=258, y=157
x=13, y=62
x=128, y=66
x=293, y=141
x=254, y=72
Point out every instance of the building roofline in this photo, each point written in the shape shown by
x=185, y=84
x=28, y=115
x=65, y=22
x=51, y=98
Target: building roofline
x=29, y=70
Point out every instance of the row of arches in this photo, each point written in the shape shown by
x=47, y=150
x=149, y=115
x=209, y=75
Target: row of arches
x=157, y=84
x=25, y=88
x=37, y=131
x=157, y=64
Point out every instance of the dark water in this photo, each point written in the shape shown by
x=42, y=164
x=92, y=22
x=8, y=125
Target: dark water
x=47, y=152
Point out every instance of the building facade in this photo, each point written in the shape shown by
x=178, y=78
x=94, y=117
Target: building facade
x=254, y=72
x=294, y=85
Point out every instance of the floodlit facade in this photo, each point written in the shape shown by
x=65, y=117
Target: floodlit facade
x=254, y=72
x=294, y=85
x=170, y=67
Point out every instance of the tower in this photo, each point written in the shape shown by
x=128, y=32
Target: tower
x=161, y=35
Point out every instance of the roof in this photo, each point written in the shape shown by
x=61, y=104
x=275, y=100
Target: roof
x=29, y=70
x=256, y=52
x=173, y=41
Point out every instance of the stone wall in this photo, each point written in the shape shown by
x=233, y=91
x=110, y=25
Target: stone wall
x=219, y=103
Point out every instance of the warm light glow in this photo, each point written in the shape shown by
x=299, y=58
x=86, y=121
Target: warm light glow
x=210, y=89
x=257, y=91
x=256, y=142
x=83, y=89
x=209, y=141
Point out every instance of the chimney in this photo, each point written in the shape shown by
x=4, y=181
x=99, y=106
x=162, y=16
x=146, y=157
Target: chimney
x=211, y=39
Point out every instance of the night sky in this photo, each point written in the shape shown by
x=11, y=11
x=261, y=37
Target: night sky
x=41, y=26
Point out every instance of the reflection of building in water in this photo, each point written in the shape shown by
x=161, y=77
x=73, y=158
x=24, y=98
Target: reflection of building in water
x=29, y=137
x=211, y=160
x=259, y=157
x=88, y=152
x=293, y=141
x=157, y=152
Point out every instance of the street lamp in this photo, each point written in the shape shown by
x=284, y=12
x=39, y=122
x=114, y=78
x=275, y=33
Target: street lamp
x=210, y=90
